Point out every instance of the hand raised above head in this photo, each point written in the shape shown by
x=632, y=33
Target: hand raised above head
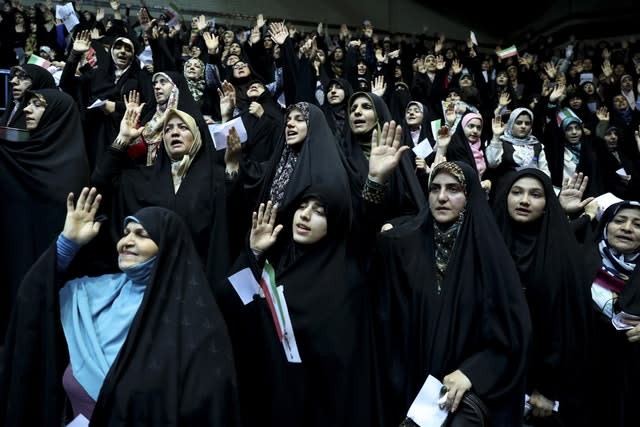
x=80, y=225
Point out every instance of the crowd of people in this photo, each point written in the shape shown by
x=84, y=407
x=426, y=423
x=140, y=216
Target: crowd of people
x=383, y=209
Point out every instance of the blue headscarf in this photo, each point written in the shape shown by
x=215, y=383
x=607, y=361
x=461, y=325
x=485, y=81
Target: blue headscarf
x=96, y=314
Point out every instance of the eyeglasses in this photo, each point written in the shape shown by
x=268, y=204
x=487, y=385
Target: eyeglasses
x=239, y=65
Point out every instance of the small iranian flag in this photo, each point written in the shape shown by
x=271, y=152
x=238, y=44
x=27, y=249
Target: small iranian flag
x=508, y=52
x=37, y=60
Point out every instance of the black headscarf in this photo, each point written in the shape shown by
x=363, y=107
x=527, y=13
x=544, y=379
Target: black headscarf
x=556, y=285
x=319, y=160
x=176, y=335
x=35, y=177
x=479, y=323
x=404, y=196
x=326, y=296
x=40, y=79
x=337, y=115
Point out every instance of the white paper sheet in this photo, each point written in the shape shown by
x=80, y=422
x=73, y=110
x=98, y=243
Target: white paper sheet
x=220, y=131
x=246, y=285
x=68, y=16
x=425, y=410
x=98, y=103
x=423, y=148
x=624, y=321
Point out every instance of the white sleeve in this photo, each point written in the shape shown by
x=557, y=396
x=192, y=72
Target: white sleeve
x=494, y=153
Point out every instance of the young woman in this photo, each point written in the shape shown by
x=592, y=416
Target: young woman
x=552, y=276
x=36, y=173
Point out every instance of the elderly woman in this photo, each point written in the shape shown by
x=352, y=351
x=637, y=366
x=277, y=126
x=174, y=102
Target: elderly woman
x=616, y=306
x=184, y=178
x=447, y=301
x=128, y=348
x=37, y=169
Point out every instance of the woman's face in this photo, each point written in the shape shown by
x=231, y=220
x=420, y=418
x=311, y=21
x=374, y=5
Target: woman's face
x=623, y=231
x=338, y=54
x=414, y=116
x=122, y=54
x=34, y=110
x=19, y=18
x=162, y=88
x=255, y=90
x=240, y=70
x=473, y=129
x=178, y=138
x=296, y=127
x=446, y=198
x=502, y=79
x=309, y=222
x=575, y=102
x=193, y=70
x=362, y=68
x=452, y=97
x=611, y=138
x=522, y=126
x=135, y=246
x=526, y=200
x=620, y=103
x=235, y=49
x=362, y=116
x=589, y=88
x=20, y=82
x=227, y=37
x=335, y=94
x=573, y=133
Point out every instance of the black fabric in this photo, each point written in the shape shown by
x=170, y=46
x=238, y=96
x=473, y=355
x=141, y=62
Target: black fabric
x=327, y=298
x=263, y=132
x=608, y=164
x=200, y=201
x=319, y=162
x=404, y=196
x=99, y=83
x=557, y=288
x=554, y=143
x=478, y=324
x=40, y=79
x=35, y=177
x=338, y=115
x=616, y=373
x=177, y=336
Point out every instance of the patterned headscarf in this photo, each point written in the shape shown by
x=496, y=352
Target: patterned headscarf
x=196, y=87
x=445, y=240
x=180, y=168
x=152, y=133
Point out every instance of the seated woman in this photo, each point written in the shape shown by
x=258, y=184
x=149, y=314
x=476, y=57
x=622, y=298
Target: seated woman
x=135, y=344
x=447, y=303
x=552, y=276
x=514, y=147
x=184, y=178
x=36, y=172
x=616, y=307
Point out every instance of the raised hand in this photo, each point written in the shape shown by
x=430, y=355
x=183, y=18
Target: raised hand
x=570, y=196
x=132, y=101
x=264, y=232
x=278, y=32
x=227, y=100
x=211, y=40
x=82, y=42
x=386, y=152
x=233, y=152
x=201, y=23
x=80, y=225
x=497, y=126
x=129, y=124
x=378, y=86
